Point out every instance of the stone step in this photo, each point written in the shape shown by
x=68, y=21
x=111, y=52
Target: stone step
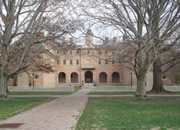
x=88, y=85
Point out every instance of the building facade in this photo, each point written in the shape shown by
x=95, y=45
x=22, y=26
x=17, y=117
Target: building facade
x=78, y=65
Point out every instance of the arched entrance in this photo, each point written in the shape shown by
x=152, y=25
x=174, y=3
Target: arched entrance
x=88, y=77
x=115, y=77
x=102, y=77
x=62, y=77
x=74, y=77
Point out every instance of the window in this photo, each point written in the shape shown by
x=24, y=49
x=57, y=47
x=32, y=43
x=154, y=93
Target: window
x=36, y=77
x=57, y=62
x=58, y=51
x=71, y=62
x=99, y=61
x=113, y=52
x=77, y=62
x=64, y=52
x=164, y=77
x=64, y=62
x=119, y=60
x=70, y=52
x=106, y=61
x=113, y=62
x=77, y=52
x=88, y=52
x=12, y=78
x=106, y=52
x=99, y=52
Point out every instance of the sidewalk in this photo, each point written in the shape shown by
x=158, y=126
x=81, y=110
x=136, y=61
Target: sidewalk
x=59, y=114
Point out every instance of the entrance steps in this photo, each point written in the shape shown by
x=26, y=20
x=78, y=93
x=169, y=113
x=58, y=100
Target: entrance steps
x=88, y=85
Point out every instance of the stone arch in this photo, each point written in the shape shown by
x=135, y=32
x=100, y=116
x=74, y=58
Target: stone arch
x=102, y=77
x=74, y=77
x=62, y=77
x=115, y=77
x=88, y=77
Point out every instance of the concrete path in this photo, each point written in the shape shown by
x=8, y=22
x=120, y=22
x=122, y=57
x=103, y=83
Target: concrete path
x=59, y=114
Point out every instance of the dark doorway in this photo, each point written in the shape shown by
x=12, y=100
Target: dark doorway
x=88, y=77
x=115, y=77
x=62, y=77
x=103, y=77
x=74, y=77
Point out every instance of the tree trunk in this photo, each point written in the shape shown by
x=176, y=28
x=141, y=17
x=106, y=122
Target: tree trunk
x=3, y=86
x=141, y=92
x=157, y=77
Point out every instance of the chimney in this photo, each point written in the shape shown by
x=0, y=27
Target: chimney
x=106, y=40
x=52, y=40
x=63, y=40
x=40, y=35
x=125, y=37
x=114, y=41
x=71, y=40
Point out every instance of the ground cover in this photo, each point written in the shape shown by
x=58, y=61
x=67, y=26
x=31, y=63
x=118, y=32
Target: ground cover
x=130, y=113
x=111, y=93
x=14, y=106
x=39, y=93
x=131, y=93
x=44, y=93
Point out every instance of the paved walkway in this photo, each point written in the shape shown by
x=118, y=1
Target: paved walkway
x=59, y=114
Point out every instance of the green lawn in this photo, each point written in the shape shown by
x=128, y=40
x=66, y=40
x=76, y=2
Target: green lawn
x=43, y=93
x=111, y=93
x=130, y=93
x=39, y=93
x=11, y=107
x=130, y=114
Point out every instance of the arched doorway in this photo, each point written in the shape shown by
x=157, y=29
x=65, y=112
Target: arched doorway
x=74, y=77
x=103, y=77
x=115, y=77
x=88, y=77
x=62, y=77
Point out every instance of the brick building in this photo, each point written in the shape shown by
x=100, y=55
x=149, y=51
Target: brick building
x=78, y=65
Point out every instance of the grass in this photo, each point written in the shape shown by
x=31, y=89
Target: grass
x=131, y=93
x=39, y=93
x=111, y=93
x=43, y=93
x=11, y=107
x=130, y=114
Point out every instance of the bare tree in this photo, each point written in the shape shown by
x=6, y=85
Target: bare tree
x=22, y=23
x=175, y=72
x=147, y=24
x=168, y=58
